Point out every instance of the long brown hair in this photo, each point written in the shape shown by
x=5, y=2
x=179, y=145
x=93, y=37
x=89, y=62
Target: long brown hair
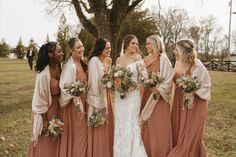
x=99, y=46
x=71, y=44
x=127, y=39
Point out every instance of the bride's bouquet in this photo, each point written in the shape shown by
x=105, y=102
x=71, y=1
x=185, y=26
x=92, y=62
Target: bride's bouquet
x=55, y=128
x=119, y=79
x=76, y=89
x=189, y=85
x=152, y=81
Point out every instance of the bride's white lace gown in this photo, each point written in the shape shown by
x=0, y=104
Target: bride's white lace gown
x=127, y=138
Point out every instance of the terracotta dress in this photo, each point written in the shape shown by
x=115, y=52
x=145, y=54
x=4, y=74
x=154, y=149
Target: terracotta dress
x=74, y=137
x=100, y=139
x=187, y=125
x=46, y=147
x=157, y=133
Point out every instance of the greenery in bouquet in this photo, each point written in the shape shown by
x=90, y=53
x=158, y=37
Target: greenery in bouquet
x=97, y=118
x=188, y=84
x=75, y=88
x=123, y=81
x=55, y=128
x=152, y=81
x=107, y=80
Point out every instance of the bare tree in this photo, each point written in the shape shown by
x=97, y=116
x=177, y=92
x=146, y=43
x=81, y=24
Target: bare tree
x=195, y=34
x=223, y=48
x=133, y=24
x=234, y=40
x=215, y=42
x=108, y=16
x=172, y=27
x=207, y=26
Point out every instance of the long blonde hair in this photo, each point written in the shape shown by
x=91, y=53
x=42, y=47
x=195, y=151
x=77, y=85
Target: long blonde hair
x=188, y=50
x=158, y=43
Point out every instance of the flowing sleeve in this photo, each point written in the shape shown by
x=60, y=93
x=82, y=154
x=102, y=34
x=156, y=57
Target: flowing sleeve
x=204, y=79
x=166, y=72
x=94, y=93
x=68, y=75
x=41, y=101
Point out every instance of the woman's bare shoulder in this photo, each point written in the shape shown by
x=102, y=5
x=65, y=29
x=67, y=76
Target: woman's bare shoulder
x=108, y=60
x=118, y=60
x=137, y=57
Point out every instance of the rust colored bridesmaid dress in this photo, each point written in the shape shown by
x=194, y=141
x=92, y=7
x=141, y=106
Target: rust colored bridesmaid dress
x=157, y=133
x=46, y=147
x=187, y=125
x=74, y=139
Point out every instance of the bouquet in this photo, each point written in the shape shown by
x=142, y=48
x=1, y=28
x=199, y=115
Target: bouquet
x=152, y=81
x=189, y=85
x=76, y=89
x=107, y=80
x=119, y=79
x=97, y=118
x=55, y=128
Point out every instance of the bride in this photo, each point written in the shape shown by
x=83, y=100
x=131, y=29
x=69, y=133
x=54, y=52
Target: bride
x=127, y=140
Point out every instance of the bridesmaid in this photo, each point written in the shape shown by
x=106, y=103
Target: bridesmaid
x=188, y=124
x=100, y=139
x=45, y=101
x=157, y=133
x=74, y=137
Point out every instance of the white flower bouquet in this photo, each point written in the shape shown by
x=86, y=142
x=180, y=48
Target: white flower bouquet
x=55, y=128
x=76, y=89
x=189, y=85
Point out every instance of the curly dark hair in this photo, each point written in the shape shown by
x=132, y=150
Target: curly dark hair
x=99, y=46
x=71, y=44
x=43, y=59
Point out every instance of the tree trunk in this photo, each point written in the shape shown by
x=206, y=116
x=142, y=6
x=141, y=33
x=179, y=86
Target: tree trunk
x=114, y=47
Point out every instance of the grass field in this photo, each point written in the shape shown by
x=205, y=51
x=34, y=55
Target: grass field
x=16, y=88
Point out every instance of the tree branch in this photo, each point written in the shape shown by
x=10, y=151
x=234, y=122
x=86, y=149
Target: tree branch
x=110, y=4
x=88, y=10
x=83, y=19
x=133, y=5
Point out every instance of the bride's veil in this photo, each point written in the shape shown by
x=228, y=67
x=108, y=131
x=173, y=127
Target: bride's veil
x=122, y=49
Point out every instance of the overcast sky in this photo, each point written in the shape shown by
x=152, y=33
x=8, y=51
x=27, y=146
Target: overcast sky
x=28, y=18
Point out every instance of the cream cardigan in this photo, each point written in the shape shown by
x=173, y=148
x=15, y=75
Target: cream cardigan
x=41, y=100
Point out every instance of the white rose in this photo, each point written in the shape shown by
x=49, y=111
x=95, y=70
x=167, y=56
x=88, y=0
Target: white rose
x=109, y=84
x=81, y=89
x=116, y=74
x=184, y=86
x=120, y=72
